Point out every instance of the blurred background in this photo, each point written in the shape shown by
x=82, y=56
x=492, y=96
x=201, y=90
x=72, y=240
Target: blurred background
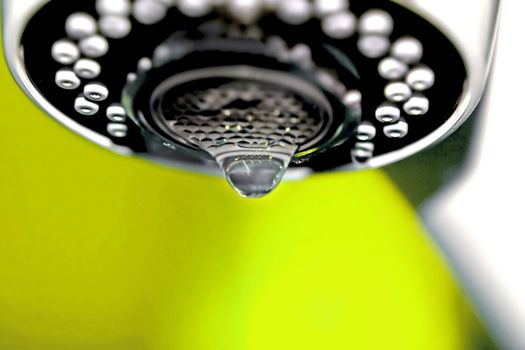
x=99, y=251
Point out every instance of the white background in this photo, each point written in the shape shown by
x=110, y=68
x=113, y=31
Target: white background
x=480, y=220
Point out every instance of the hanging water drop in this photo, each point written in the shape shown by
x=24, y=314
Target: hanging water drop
x=254, y=176
x=252, y=128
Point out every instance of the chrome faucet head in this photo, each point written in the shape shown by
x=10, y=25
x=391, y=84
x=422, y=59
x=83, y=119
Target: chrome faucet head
x=256, y=90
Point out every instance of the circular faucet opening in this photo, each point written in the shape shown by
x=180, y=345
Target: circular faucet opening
x=251, y=121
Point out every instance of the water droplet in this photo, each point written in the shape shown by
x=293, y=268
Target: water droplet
x=245, y=129
x=388, y=113
x=149, y=12
x=65, y=52
x=408, y=50
x=245, y=11
x=194, y=8
x=398, y=92
x=324, y=8
x=87, y=68
x=392, y=69
x=366, y=131
x=421, y=78
x=340, y=25
x=373, y=46
x=115, y=26
x=80, y=25
x=294, y=11
x=94, y=46
x=362, y=152
x=396, y=131
x=254, y=176
x=67, y=79
x=116, y=113
x=417, y=105
x=113, y=7
x=117, y=130
x=376, y=22
x=96, y=91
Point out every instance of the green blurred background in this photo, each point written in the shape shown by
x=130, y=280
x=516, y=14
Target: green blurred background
x=98, y=252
